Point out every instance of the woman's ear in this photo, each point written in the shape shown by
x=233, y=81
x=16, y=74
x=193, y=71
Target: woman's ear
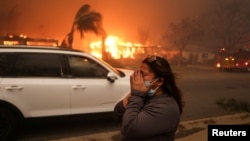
x=160, y=81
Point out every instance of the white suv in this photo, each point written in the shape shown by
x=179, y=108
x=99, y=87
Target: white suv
x=49, y=81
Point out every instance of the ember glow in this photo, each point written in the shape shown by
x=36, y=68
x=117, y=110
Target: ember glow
x=116, y=48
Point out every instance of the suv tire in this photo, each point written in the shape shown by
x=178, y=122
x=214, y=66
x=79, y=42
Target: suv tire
x=8, y=125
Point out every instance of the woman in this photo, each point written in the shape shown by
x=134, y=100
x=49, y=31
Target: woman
x=151, y=112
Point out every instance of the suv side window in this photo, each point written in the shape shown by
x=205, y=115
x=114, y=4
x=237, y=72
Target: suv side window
x=6, y=63
x=86, y=68
x=37, y=65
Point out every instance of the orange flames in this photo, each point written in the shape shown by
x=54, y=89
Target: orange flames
x=115, y=47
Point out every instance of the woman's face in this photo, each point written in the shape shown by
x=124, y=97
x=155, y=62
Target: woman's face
x=147, y=74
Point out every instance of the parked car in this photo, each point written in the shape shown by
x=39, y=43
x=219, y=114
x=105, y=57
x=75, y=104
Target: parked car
x=49, y=81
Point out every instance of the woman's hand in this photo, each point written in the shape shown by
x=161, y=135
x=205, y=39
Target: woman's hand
x=125, y=100
x=137, y=82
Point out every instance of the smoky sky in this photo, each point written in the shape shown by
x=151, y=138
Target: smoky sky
x=122, y=18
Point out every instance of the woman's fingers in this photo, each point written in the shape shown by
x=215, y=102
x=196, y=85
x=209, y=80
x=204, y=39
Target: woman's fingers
x=137, y=75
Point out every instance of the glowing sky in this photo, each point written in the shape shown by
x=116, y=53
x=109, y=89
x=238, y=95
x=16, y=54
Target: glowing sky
x=121, y=18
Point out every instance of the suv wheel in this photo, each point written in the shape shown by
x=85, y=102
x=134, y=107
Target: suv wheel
x=8, y=125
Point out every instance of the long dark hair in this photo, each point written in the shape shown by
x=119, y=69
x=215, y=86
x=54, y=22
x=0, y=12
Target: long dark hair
x=161, y=68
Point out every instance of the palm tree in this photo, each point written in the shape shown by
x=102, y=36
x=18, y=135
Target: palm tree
x=86, y=20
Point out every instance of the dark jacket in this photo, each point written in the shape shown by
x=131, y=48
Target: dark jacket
x=148, y=118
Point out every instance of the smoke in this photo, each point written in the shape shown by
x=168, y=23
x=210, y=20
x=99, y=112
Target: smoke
x=121, y=18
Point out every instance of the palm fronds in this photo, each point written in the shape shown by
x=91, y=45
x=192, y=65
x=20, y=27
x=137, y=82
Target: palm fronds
x=86, y=20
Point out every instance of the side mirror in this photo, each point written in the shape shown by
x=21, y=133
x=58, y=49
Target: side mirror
x=111, y=77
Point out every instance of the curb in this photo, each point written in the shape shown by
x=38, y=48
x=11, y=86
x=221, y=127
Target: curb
x=200, y=67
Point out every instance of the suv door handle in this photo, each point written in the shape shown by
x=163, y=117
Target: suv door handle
x=78, y=87
x=13, y=88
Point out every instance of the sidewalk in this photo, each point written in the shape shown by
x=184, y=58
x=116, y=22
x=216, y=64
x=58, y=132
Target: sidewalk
x=201, y=125
x=194, y=130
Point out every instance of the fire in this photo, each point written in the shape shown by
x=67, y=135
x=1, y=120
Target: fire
x=115, y=47
x=111, y=44
x=96, y=49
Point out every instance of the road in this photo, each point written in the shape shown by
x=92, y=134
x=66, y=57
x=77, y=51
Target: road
x=201, y=90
